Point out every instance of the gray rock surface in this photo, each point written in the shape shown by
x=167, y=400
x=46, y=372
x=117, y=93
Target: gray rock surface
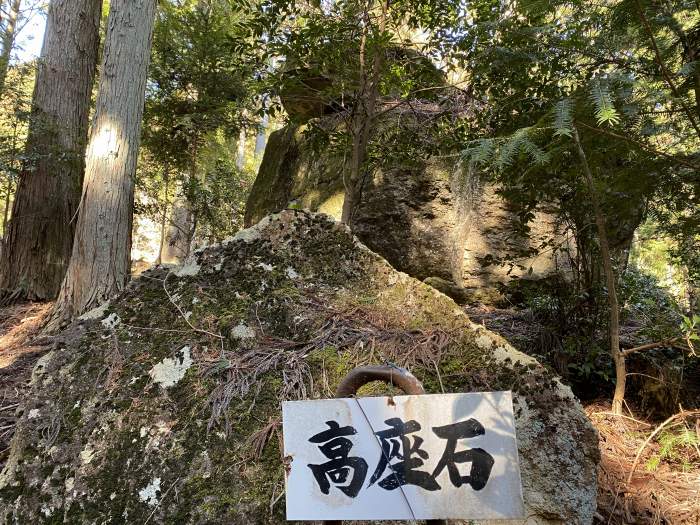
x=164, y=406
x=430, y=219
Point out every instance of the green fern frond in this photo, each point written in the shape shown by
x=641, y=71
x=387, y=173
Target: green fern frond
x=480, y=151
x=520, y=142
x=605, y=111
x=532, y=150
x=508, y=150
x=563, y=119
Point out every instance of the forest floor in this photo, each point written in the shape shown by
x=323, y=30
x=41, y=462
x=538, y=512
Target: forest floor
x=19, y=326
x=628, y=492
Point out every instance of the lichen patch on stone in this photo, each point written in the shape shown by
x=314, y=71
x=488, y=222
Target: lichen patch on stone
x=250, y=234
x=149, y=494
x=111, y=321
x=188, y=268
x=95, y=313
x=242, y=331
x=484, y=342
x=171, y=369
x=86, y=455
x=503, y=352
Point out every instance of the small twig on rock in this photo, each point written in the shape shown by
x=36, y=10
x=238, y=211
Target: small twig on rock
x=182, y=314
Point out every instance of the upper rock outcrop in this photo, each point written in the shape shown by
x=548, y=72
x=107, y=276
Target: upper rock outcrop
x=164, y=407
x=428, y=219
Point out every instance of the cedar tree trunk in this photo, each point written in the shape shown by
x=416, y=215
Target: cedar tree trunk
x=100, y=264
x=37, y=245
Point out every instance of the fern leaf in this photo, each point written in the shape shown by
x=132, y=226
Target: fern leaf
x=508, y=150
x=563, y=120
x=537, y=154
x=605, y=111
x=479, y=151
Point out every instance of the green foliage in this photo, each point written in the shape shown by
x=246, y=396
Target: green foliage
x=201, y=78
x=15, y=105
x=545, y=69
x=645, y=301
x=563, y=118
x=202, y=92
x=326, y=54
x=605, y=111
x=503, y=152
x=567, y=331
x=678, y=448
x=218, y=196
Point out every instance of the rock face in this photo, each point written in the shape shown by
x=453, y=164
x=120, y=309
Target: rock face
x=164, y=407
x=428, y=220
x=311, y=90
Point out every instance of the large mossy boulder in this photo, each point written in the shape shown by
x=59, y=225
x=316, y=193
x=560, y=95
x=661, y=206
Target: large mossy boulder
x=164, y=407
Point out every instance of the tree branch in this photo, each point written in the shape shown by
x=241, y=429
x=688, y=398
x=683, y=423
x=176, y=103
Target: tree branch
x=641, y=145
x=665, y=73
x=648, y=346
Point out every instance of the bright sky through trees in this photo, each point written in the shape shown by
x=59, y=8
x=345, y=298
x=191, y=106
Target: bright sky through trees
x=30, y=38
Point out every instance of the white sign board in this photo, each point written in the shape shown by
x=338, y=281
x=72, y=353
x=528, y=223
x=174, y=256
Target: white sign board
x=450, y=456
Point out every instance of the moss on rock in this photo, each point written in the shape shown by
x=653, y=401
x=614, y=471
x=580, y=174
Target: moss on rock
x=282, y=311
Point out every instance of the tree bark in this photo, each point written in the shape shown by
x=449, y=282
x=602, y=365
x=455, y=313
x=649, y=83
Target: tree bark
x=6, y=211
x=363, y=117
x=617, y=355
x=40, y=234
x=180, y=231
x=8, y=193
x=164, y=215
x=8, y=41
x=100, y=263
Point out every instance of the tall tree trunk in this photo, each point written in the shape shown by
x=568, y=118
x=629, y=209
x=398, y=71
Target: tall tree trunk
x=180, y=231
x=6, y=211
x=100, y=264
x=8, y=193
x=618, y=358
x=183, y=220
x=40, y=234
x=8, y=41
x=364, y=115
x=164, y=215
x=240, y=156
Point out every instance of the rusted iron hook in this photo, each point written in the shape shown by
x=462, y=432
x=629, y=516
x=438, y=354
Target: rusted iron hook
x=390, y=374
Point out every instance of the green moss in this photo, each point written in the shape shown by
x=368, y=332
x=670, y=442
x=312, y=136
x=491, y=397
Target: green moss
x=341, y=294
